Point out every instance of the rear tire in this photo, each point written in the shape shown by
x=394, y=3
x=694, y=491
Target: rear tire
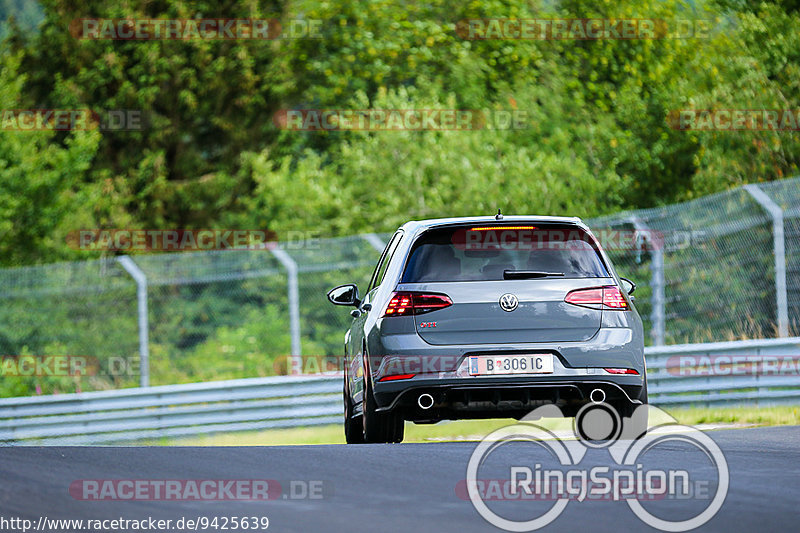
x=635, y=427
x=379, y=427
x=397, y=425
x=353, y=429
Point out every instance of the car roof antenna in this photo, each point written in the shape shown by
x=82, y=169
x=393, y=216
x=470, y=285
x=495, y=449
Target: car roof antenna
x=499, y=215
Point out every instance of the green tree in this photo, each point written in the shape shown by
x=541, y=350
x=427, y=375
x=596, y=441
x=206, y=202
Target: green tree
x=40, y=179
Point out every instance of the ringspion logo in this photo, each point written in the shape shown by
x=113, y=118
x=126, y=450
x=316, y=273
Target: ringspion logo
x=547, y=483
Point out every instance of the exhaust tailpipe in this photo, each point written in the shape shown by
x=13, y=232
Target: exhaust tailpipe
x=425, y=401
x=597, y=396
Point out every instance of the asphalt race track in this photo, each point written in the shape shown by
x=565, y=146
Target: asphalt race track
x=400, y=487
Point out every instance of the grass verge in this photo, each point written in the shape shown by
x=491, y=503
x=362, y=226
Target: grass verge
x=476, y=429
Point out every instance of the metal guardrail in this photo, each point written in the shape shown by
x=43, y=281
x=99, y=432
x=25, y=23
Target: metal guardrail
x=171, y=411
x=130, y=415
x=756, y=372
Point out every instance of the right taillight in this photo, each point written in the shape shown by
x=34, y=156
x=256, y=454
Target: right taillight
x=621, y=371
x=406, y=303
x=609, y=297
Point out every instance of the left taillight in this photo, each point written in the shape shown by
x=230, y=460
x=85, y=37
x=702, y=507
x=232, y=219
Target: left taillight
x=609, y=297
x=397, y=377
x=406, y=303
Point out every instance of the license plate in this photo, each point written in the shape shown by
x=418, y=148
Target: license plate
x=487, y=365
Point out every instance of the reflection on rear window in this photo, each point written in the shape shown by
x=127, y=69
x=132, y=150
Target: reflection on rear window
x=484, y=253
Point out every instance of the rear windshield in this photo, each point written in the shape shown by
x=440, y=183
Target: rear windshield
x=485, y=253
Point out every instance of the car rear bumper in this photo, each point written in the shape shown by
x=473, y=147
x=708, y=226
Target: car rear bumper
x=443, y=372
x=493, y=397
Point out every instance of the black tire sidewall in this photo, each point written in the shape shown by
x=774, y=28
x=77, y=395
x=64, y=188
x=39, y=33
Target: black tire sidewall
x=373, y=424
x=353, y=433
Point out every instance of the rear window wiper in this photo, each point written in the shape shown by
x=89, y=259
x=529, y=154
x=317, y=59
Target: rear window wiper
x=528, y=274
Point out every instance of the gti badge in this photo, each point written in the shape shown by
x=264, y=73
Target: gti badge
x=508, y=302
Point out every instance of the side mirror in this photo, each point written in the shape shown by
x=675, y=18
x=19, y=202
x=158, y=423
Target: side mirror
x=628, y=285
x=344, y=295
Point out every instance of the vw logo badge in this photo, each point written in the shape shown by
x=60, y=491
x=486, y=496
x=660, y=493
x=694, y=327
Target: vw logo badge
x=508, y=302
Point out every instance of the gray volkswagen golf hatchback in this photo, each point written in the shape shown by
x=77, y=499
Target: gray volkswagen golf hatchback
x=488, y=317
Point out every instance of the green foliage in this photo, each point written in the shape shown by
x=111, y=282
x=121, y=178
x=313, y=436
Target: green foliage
x=597, y=140
x=25, y=14
x=255, y=347
x=40, y=179
x=760, y=72
x=428, y=174
x=210, y=156
x=203, y=103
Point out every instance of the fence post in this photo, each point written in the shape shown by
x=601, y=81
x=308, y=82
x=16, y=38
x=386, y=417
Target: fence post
x=374, y=241
x=294, y=303
x=779, y=252
x=657, y=299
x=141, y=295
